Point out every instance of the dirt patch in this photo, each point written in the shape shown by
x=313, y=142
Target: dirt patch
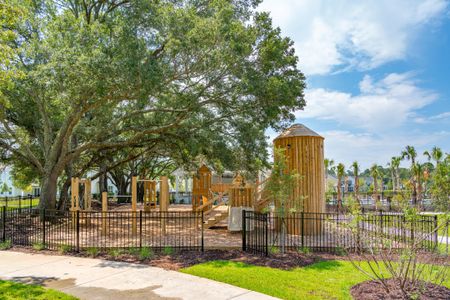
x=374, y=290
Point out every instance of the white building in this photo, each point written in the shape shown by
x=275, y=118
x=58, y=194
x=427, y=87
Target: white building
x=7, y=188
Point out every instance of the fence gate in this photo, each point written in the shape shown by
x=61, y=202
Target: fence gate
x=255, y=232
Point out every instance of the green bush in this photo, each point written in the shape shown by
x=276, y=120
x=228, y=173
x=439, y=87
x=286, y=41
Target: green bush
x=134, y=251
x=5, y=245
x=274, y=250
x=39, y=246
x=92, y=251
x=63, y=249
x=168, y=250
x=340, y=251
x=304, y=250
x=145, y=253
x=114, y=253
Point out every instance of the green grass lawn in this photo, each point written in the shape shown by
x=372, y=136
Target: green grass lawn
x=24, y=203
x=323, y=280
x=17, y=291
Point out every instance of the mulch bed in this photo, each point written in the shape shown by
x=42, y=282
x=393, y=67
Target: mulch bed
x=184, y=259
x=374, y=290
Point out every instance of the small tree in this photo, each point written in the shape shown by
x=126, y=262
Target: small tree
x=355, y=170
x=280, y=186
x=375, y=173
x=386, y=258
x=340, y=173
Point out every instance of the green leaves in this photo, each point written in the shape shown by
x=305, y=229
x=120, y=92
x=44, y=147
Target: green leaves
x=205, y=77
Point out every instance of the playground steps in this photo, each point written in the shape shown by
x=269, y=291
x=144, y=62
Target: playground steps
x=215, y=219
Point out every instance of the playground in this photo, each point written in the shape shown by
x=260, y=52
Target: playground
x=237, y=214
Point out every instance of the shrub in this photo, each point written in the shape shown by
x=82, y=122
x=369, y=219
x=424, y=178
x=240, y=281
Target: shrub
x=168, y=250
x=5, y=245
x=92, y=251
x=114, y=253
x=63, y=249
x=39, y=246
x=134, y=251
x=146, y=253
x=340, y=251
x=304, y=250
x=274, y=250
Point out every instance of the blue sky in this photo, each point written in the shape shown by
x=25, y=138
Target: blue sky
x=377, y=73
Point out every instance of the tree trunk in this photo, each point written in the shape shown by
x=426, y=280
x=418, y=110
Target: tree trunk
x=64, y=195
x=49, y=187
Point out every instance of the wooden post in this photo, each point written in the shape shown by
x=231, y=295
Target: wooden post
x=74, y=194
x=134, y=203
x=164, y=201
x=74, y=199
x=87, y=195
x=104, y=212
x=87, y=199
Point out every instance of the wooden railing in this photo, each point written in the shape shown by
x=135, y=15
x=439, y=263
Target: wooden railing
x=209, y=205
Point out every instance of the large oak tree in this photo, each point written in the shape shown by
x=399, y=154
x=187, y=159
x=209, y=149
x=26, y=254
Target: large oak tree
x=103, y=75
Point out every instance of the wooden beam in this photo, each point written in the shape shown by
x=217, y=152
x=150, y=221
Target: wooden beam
x=164, y=201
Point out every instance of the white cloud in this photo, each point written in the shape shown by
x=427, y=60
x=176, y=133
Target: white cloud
x=442, y=116
x=334, y=35
x=380, y=106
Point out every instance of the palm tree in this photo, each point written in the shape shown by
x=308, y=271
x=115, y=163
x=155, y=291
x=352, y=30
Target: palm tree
x=418, y=173
x=340, y=173
x=410, y=154
x=375, y=173
x=329, y=165
x=436, y=154
x=394, y=165
x=355, y=169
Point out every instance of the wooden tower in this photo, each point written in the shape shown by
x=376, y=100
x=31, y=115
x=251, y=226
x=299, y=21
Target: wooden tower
x=201, y=186
x=304, y=154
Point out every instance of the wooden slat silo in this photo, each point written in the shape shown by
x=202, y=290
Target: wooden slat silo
x=304, y=151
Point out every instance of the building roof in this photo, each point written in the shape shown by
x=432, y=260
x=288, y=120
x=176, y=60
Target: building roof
x=297, y=130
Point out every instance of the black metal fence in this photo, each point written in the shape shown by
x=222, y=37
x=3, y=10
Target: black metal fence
x=264, y=233
x=80, y=230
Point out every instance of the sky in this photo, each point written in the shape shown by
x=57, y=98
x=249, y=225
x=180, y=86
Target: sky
x=378, y=74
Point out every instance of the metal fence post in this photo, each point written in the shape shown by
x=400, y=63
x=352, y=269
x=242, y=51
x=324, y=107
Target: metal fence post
x=78, y=231
x=43, y=227
x=302, y=229
x=140, y=229
x=6, y=201
x=203, y=240
x=267, y=235
x=20, y=204
x=244, y=242
x=31, y=201
x=436, y=232
x=4, y=223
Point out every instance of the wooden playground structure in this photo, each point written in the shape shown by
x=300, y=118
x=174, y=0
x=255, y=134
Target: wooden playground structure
x=217, y=200
x=84, y=203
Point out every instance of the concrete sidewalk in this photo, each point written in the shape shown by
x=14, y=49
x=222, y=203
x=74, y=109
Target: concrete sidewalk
x=98, y=279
